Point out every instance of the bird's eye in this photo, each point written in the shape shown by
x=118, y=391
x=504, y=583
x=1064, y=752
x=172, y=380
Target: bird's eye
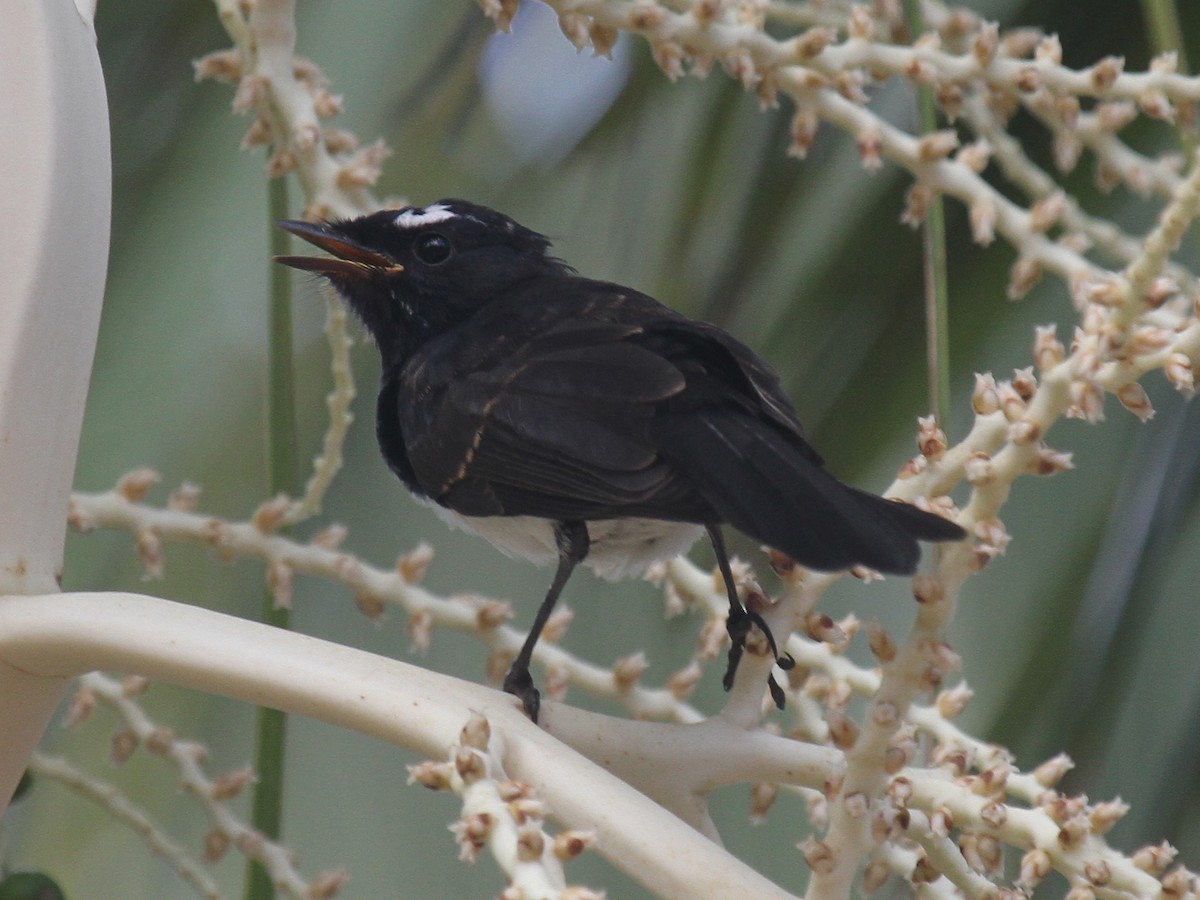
x=432, y=248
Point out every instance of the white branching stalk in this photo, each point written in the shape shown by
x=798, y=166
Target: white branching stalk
x=227, y=829
x=875, y=810
x=121, y=809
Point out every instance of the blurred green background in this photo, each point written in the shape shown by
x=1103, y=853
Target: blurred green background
x=1083, y=638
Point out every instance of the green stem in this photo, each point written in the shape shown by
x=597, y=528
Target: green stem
x=937, y=281
x=1166, y=34
x=267, y=801
x=1164, y=30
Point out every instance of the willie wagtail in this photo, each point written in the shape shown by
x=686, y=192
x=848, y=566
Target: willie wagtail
x=576, y=421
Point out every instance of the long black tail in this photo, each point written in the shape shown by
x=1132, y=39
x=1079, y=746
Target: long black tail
x=762, y=484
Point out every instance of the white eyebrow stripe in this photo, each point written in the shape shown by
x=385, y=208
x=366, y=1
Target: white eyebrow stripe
x=430, y=215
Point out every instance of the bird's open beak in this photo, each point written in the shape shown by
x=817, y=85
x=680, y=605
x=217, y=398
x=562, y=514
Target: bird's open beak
x=349, y=260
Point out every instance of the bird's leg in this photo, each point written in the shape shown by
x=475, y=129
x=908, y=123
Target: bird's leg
x=572, y=539
x=741, y=620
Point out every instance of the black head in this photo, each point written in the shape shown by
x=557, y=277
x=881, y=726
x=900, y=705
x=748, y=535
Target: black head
x=411, y=273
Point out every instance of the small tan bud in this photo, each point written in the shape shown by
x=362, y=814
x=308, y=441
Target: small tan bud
x=413, y=565
x=924, y=871
x=843, y=731
x=1135, y=399
x=160, y=740
x=628, y=670
x=338, y=141
x=813, y=41
x=1051, y=462
x=762, y=795
x=526, y=809
x=419, y=628
x=476, y=733
x=818, y=855
x=221, y=65
x=926, y=588
x=1020, y=42
x=148, y=547
x=1156, y=105
x=1180, y=883
x=880, y=641
x=803, y=132
x=985, y=399
x=931, y=440
x=123, y=744
x=942, y=655
x=1067, y=148
x=916, y=205
x=230, y=784
x=492, y=613
x=470, y=764
x=856, y=804
x=1029, y=79
x=849, y=84
x=556, y=681
x=216, y=845
x=330, y=538
x=251, y=92
x=1048, y=350
x=885, y=714
x=683, y=682
x=1179, y=373
x=1103, y=816
x=1044, y=214
x=1097, y=872
x=280, y=582
x=870, y=149
x=952, y=702
x=471, y=833
x=603, y=39
x=134, y=486
x=1035, y=866
x=1025, y=273
x=668, y=55
x=874, y=876
x=985, y=44
x=575, y=28
x=1113, y=115
x=1024, y=432
x=938, y=145
x=572, y=842
x=370, y=605
x=501, y=12
x=558, y=623
x=900, y=790
x=975, y=155
x=861, y=24
x=991, y=853
x=1049, y=51
x=941, y=822
x=820, y=627
x=1155, y=859
x=1073, y=831
x=979, y=469
x=1105, y=73
x=1087, y=401
x=328, y=884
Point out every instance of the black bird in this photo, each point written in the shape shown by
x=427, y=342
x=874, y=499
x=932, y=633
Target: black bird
x=579, y=421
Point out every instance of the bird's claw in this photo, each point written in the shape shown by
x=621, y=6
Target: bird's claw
x=519, y=683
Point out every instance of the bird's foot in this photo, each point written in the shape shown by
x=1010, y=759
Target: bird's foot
x=741, y=620
x=519, y=683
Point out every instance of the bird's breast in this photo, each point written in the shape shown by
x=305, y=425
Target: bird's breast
x=619, y=548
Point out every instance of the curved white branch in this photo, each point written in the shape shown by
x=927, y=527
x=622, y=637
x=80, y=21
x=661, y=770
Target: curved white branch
x=55, y=194
x=55, y=637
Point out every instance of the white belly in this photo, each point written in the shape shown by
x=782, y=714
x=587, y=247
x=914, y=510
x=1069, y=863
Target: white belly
x=620, y=548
